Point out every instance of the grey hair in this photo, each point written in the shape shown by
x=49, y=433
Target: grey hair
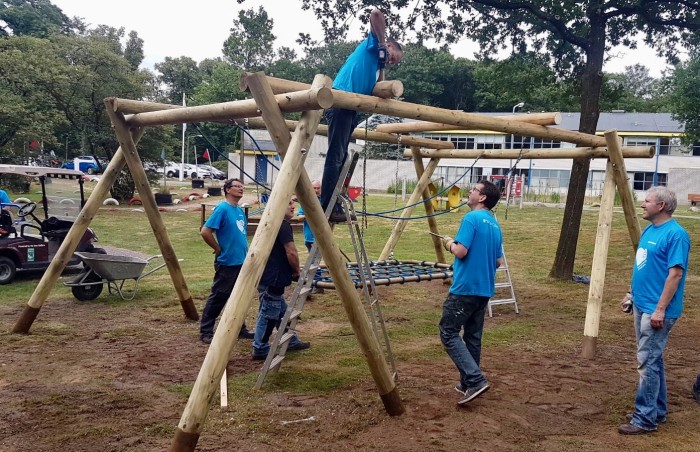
x=666, y=196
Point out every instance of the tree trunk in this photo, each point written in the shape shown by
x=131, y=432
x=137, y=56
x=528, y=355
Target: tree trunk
x=591, y=84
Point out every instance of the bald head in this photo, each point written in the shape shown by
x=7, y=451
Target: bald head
x=316, y=184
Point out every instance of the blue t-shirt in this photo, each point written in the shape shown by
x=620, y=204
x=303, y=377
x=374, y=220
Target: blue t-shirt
x=230, y=226
x=308, y=234
x=4, y=198
x=475, y=274
x=660, y=248
x=360, y=71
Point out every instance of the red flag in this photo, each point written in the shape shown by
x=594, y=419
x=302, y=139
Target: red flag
x=206, y=154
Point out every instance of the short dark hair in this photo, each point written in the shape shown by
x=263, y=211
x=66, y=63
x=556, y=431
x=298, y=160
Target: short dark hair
x=492, y=193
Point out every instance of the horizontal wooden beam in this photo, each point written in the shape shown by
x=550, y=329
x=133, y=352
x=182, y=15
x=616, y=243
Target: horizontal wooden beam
x=385, y=89
x=310, y=99
x=552, y=153
x=359, y=134
x=543, y=119
x=369, y=104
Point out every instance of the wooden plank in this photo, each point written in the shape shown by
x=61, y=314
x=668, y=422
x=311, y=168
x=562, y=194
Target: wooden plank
x=623, y=187
x=551, y=153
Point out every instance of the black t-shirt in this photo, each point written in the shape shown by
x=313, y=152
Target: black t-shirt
x=278, y=272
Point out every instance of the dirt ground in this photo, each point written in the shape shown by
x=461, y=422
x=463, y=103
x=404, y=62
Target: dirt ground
x=104, y=377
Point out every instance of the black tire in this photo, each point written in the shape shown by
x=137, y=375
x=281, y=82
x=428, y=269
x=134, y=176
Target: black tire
x=91, y=171
x=8, y=270
x=88, y=293
x=170, y=174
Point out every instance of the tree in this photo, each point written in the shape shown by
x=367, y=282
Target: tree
x=180, y=75
x=575, y=35
x=685, y=96
x=133, y=50
x=249, y=46
x=633, y=90
x=37, y=18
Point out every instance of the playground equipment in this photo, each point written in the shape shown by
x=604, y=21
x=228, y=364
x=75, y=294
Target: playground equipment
x=129, y=119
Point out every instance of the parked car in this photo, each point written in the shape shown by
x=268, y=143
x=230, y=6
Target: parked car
x=86, y=164
x=215, y=172
x=198, y=172
x=32, y=243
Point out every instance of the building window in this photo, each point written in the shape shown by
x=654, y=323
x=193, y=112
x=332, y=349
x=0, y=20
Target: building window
x=520, y=142
x=459, y=175
x=543, y=179
x=539, y=143
x=489, y=141
x=462, y=142
x=644, y=181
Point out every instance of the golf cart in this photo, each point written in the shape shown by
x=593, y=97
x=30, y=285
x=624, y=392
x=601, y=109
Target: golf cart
x=30, y=243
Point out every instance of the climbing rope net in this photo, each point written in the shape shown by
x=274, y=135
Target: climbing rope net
x=388, y=272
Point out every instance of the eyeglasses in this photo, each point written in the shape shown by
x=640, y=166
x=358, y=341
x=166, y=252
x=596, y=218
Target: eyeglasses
x=480, y=192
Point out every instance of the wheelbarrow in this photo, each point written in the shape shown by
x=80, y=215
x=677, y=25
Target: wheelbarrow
x=112, y=270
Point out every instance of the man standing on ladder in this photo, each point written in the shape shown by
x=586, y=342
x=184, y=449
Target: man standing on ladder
x=281, y=269
x=477, y=248
x=360, y=72
x=230, y=245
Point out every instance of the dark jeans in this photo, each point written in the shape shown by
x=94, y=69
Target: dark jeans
x=224, y=279
x=341, y=123
x=464, y=312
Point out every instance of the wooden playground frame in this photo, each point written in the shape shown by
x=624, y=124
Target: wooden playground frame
x=271, y=98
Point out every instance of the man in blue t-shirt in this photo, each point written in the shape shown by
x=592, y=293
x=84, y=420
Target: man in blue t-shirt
x=309, y=239
x=658, y=282
x=4, y=199
x=282, y=268
x=226, y=233
x=477, y=248
x=359, y=74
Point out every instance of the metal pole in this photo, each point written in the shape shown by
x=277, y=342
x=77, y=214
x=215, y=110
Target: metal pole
x=656, y=162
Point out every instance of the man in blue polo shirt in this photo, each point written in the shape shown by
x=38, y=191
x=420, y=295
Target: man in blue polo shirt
x=477, y=248
x=658, y=282
x=359, y=74
x=226, y=233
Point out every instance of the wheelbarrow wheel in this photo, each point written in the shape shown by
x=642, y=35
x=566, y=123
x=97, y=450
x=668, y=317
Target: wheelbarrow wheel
x=88, y=293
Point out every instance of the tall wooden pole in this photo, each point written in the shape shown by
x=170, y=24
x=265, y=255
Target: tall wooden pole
x=400, y=225
x=205, y=387
x=149, y=204
x=623, y=187
x=429, y=210
x=600, y=260
x=350, y=298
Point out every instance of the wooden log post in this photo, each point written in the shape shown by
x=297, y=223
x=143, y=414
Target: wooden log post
x=600, y=260
x=553, y=153
x=205, y=387
x=429, y=211
x=332, y=256
x=70, y=243
x=369, y=104
x=543, y=119
x=400, y=225
x=362, y=134
x=148, y=201
x=623, y=186
x=297, y=101
x=385, y=89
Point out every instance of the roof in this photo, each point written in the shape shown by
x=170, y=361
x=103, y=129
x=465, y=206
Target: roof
x=38, y=171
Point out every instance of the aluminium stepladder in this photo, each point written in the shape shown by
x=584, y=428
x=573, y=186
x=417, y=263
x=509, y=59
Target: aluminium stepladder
x=286, y=329
x=504, y=292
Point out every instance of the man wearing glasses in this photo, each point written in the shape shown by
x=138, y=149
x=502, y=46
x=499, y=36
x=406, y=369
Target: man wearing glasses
x=477, y=248
x=226, y=233
x=658, y=281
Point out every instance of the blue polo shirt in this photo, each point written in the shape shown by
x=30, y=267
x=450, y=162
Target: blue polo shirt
x=660, y=248
x=360, y=71
x=230, y=226
x=475, y=274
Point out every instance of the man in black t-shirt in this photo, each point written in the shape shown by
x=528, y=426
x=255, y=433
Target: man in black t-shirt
x=281, y=269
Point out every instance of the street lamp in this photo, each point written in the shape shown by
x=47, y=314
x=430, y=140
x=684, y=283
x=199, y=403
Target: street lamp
x=512, y=137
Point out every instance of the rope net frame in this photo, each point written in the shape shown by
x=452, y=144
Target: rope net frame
x=388, y=272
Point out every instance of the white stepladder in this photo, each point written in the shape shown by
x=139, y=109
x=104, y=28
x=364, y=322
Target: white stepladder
x=504, y=294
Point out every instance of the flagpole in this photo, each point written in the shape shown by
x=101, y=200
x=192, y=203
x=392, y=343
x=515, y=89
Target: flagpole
x=182, y=159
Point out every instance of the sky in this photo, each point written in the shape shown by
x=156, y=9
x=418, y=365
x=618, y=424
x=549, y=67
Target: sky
x=198, y=29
